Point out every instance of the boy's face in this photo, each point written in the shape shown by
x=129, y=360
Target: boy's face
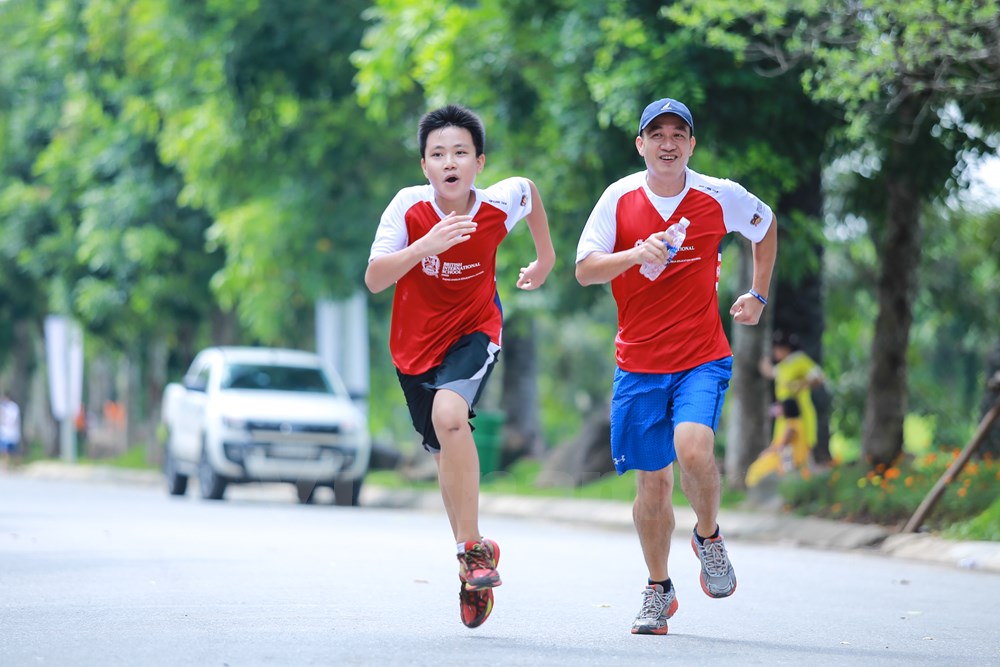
x=450, y=162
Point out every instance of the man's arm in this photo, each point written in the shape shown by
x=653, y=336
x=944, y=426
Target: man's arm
x=602, y=267
x=748, y=308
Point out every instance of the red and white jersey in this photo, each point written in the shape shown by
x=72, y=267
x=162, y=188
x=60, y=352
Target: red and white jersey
x=449, y=295
x=672, y=323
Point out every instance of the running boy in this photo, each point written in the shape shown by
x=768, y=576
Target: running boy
x=437, y=243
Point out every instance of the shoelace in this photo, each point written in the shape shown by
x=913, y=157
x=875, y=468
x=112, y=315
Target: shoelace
x=478, y=558
x=715, y=559
x=653, y=603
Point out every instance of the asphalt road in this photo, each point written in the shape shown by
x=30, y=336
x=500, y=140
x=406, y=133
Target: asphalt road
x=106, y=574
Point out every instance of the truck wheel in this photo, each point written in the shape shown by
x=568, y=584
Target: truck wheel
x=306, y=491
x=347, y=492
x=177, y=483
x=213, y=487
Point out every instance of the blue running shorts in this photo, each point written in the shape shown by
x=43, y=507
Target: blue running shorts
x=647, y=407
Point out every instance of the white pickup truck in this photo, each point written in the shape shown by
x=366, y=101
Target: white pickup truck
x=254, y=414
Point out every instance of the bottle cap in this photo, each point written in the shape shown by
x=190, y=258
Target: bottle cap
x=685, y=222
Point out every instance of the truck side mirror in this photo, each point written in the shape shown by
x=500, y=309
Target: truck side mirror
x=195, y=383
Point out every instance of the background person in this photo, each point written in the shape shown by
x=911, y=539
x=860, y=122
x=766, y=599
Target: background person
x=10, y=428
x=795, y=374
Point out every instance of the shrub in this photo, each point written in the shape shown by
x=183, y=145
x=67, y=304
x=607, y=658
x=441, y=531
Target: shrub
x=890, y=495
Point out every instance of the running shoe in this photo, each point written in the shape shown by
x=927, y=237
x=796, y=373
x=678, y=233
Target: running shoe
x=475, y=606
x=657, y=607
x=718, y=579
x=477, y=566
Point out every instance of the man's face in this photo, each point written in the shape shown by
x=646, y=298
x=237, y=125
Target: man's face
x=450, y=162
x=666, y=145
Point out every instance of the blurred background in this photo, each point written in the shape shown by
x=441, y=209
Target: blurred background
x=176, y=174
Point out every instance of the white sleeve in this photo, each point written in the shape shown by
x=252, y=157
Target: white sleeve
x=601, y=230
x=513, y=195
x=744, y=212
x=391, y=234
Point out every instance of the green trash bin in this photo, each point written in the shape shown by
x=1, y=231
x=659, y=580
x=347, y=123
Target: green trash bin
x=489, y=439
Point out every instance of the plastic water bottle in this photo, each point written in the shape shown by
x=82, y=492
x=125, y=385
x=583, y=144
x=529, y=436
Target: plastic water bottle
x=674, y=239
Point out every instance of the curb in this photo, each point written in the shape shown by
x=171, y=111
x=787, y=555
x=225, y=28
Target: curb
x=759, y=526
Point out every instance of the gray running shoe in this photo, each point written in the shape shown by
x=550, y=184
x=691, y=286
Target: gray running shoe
x=717, y=577
x=657, y=607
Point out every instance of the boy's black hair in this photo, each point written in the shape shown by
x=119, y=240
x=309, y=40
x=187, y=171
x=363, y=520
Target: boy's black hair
x=452, y=115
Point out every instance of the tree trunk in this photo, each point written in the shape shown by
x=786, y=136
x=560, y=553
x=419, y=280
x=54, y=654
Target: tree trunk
x=798, y=300
x=748, y=398
x=885, y=403
x=519, y=394
x=156, y=380
x=991, y=443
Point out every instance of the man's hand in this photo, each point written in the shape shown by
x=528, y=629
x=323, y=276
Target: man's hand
x=651, y=251
x=747, y=310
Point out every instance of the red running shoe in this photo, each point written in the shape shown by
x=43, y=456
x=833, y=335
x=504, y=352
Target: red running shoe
x=475, y=606
x=477, y=567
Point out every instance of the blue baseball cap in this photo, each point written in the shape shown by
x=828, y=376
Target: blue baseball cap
x=666, y=105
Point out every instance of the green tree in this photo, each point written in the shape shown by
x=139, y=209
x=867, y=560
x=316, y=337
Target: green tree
x=918, y=84
x=560, y=85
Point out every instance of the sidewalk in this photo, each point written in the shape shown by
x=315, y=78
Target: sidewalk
x=761, y=526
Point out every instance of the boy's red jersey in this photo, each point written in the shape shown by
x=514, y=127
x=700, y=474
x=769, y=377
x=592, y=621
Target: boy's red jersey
x=447, y=296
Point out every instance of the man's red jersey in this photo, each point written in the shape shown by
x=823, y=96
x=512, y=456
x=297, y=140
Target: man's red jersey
x=672, y=323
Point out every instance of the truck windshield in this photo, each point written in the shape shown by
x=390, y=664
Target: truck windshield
x=276, y=378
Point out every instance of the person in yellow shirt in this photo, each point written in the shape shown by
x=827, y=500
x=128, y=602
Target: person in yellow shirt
x=794, y=374
x=788, y=450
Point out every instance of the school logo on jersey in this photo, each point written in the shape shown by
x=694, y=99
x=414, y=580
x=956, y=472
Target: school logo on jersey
x=524, y=200
x=431, y=265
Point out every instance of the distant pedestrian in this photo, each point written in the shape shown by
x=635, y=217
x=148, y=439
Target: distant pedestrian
x=437, y=243
x=789, y=450
x=674, y=362
x=10, y=428
x=795, y=375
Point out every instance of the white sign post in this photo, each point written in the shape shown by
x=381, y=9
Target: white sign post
x=342, y=342
x=64, y=354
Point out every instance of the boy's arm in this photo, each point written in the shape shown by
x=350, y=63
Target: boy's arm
x=384, y=271
x=534, y=275
x=748, y=308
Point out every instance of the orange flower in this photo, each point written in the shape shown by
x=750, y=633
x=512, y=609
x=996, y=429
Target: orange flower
x=908, y=481
x=972, y=468
x=880, y=468
x=835, y=508
x=963, y=491
x=892, y=473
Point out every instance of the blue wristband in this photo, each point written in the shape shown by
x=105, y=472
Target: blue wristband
x=757, y=296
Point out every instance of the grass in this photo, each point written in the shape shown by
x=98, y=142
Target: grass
x=520, y=480
x=134, y=458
